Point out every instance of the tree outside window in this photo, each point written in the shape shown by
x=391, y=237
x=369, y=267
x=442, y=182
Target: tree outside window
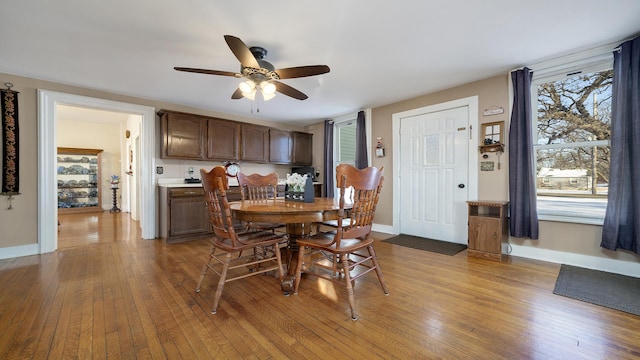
x=572, y=144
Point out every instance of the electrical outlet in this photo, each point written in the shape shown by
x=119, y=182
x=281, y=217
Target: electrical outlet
x=159, y=170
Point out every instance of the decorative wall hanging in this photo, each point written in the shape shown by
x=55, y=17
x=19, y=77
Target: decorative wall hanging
x=10, y=137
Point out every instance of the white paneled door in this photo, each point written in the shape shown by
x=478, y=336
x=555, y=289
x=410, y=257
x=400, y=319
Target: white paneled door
x=434, y=174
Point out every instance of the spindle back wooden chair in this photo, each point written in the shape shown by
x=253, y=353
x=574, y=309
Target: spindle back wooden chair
x=338, y=246
x=227, y=245
x=261, y=188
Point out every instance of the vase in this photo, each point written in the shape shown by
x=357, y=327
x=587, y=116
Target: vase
x=299, y=193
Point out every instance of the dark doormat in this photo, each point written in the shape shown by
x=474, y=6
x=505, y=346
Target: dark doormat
x=436, y=246
x=615, y=291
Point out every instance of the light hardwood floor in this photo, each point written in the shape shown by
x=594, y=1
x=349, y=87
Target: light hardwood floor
x=106, y=293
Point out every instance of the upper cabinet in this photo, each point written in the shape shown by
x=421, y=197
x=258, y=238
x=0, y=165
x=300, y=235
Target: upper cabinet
x=280, y=146
x=254, y=143
x=182, y=135
x=223, y=139
x=302, y=148
x=197, y=137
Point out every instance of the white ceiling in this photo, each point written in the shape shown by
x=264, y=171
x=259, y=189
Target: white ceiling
x=379, y=52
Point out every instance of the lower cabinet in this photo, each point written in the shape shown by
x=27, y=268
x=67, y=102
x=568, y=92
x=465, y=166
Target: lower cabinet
x=187, y=214
x=184, y=215
x=488, y=229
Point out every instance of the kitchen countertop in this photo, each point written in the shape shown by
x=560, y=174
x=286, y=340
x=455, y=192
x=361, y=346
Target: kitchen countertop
x=172, y=183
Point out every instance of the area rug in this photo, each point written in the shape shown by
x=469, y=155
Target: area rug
x=436, y=246
x=606, y=289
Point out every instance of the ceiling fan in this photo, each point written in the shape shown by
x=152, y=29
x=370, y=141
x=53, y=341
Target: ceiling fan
x=260, y=74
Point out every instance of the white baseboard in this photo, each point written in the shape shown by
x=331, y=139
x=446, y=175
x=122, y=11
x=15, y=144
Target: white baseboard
x=19, y=251
x=630, y=268
x=383, y=229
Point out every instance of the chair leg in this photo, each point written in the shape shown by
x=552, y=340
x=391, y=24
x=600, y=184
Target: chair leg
x=334, y=267
x=374, y=259
x=349, y=284
x=205, y=267
x=221, y=282
x=276, y=249
x=298, y=270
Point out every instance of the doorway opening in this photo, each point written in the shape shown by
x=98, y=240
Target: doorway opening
x=47, y=119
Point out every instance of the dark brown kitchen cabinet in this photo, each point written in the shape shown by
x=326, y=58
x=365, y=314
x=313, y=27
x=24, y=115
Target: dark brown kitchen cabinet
x=184, y=215
x=254, y=143
x=280, y=146
x=197, y=137
x=223, y=139
x=182, y=136
x=302, y=148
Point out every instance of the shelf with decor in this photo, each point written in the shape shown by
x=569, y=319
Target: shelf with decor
x=78, y=175
x=492, y=137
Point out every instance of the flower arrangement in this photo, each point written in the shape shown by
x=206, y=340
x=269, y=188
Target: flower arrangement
x=296, y=182
x=114, y=180
x=297, y=189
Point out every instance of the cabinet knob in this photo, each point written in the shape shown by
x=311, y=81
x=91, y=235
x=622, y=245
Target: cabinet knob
x=495, y=235
x=461, y=186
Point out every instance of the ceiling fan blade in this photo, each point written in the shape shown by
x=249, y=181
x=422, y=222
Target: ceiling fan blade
x=289, y=91
x=302, y=71
x=206, y=71
x=237, y=94
x=242, y=52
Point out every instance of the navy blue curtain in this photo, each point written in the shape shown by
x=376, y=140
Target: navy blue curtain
x=522, y=188
x=621, y=228
x=327, y=176
x=362, y=160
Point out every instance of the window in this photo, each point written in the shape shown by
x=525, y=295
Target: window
x=344, y=145
x=345, y=140
x=571, y=144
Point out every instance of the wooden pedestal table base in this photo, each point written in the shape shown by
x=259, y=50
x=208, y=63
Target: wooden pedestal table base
x=298, y=217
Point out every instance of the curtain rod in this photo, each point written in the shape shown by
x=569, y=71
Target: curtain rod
x=617, y=49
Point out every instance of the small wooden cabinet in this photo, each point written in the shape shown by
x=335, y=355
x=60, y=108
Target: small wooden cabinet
x=488, y=229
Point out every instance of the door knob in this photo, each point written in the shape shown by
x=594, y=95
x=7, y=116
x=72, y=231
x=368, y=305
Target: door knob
x=461, y=186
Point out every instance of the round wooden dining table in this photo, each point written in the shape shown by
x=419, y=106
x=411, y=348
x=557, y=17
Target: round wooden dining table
x=297, y=216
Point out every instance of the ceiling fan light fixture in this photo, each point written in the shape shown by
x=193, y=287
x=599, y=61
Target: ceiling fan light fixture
x=268, y=88
x=247, y=86
x=258, y=73
x=267, y=96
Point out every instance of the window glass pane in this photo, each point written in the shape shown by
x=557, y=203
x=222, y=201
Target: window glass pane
x=556, y=166
x=347, y=143
x=572, y=145
x=575, y=109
